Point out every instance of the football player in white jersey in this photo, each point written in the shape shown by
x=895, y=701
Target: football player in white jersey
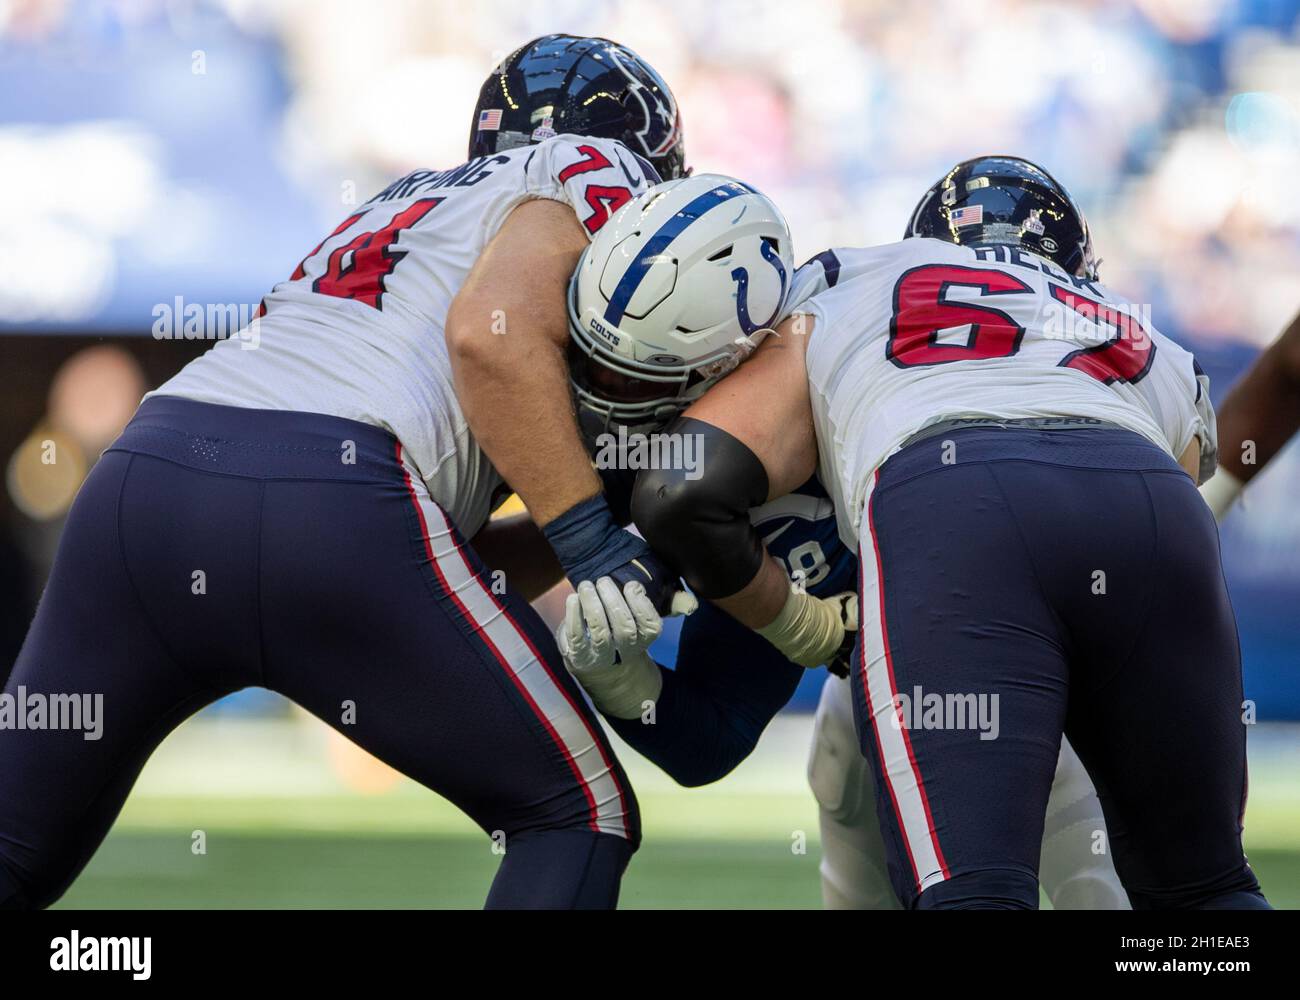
x=1256, y=418
x=727, y=684
x=1014, y=451
x=295, y=510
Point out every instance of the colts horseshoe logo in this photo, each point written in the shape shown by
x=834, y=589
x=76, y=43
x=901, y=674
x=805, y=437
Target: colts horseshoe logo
x=740, y=276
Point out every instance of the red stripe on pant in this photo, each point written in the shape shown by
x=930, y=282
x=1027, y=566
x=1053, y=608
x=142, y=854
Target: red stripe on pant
x=597, y=740
x=893, y=693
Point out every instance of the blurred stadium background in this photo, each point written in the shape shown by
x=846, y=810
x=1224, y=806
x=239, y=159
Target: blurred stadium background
x=164, y=155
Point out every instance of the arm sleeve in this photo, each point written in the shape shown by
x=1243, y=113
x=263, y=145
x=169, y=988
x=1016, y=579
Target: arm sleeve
x=728, y=685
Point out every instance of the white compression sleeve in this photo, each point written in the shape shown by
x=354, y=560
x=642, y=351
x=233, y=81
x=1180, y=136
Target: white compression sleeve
x=1221, y=491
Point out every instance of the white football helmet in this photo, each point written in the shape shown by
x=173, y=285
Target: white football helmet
x=674, y=292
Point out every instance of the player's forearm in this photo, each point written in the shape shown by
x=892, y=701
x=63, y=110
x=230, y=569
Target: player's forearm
x=1261, y=412
x=515, y=398
x=1257, y=419
x=761, y=600
x=506, y=333
x=701, y=527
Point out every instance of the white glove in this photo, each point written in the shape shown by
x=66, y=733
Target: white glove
x=811, y=630
x=604, y=640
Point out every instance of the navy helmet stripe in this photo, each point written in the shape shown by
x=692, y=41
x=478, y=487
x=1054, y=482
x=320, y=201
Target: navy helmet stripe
x=659, y=242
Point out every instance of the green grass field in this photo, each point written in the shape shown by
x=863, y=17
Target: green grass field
x=282, y=830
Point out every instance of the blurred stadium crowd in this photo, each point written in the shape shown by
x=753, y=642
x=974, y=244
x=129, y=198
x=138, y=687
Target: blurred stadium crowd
x=1176, y=121
x=154, y=149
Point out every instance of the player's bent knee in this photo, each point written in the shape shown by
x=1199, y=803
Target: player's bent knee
x=837, y=771
x=987, y=889
x=561, y=869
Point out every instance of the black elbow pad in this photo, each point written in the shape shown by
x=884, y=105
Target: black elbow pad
x=697, y=520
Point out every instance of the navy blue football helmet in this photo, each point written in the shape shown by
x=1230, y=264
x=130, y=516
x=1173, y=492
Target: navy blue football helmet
x=1007, y=200
x=584, y=86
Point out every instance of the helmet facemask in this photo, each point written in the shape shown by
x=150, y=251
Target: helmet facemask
x=610, y=391
x=676, y=289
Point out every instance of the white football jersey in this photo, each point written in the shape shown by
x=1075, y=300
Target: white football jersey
x=357, y=330
x=914, y=333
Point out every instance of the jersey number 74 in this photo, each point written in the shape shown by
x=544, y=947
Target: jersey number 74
x=357, y=269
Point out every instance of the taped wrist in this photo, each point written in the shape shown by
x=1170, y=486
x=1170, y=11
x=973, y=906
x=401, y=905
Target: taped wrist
x=589, y=543
x=697, y=519
x=1221, y=491
x=806, y=629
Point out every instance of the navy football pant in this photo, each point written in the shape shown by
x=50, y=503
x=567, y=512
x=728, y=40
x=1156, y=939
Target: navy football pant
x=1017, y=584
x=213, y=548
